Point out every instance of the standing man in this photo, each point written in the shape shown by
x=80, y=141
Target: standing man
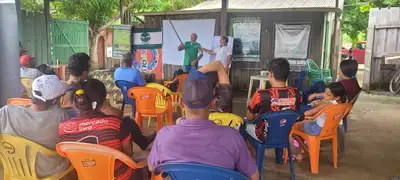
x=193, y=53
x=223, y=53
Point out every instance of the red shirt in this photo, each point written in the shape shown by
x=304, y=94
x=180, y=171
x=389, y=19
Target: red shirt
x=98, y=129
x=273, y=100
x=351, y=86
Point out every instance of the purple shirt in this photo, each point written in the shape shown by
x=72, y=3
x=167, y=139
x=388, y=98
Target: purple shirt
x=202, y=141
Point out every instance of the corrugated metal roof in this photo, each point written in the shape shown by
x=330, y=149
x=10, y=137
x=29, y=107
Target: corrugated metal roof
x=267, y=4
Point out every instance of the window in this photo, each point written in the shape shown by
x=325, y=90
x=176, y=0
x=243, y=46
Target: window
x=246, y=34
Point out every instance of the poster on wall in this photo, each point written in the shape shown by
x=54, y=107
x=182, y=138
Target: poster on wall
x=204, y=29
x=291, y=41
x=147, y=44
x=121, y=40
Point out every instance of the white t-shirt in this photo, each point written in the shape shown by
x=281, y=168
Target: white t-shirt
x=31, y=73
x=320, y=120
x=222, y=54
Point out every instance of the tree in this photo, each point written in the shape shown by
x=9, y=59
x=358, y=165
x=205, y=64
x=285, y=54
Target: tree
x=356, y=14
x=101, y=14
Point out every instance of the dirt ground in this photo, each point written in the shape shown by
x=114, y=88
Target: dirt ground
x=371, y=144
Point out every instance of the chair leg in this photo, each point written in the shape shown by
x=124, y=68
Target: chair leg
x=292, y=174
x=139, y=120
x=334, y=150
x=313, y=150
x=148, y=122
x=160, y=121
x=278, y=155
x=345, y=124
x=259, y=158
x=341, y=139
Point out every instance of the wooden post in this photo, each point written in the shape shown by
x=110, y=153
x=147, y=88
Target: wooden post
x=224, y=17
x=121, y=14
x=46, y=12
x=334, y=43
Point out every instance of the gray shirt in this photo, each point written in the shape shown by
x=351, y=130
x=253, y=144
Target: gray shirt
x=31, y=73
x=40, y=127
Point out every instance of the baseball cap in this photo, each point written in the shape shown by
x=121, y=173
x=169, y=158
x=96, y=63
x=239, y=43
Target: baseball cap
x=197, y=92
x=47, y=87
x=25, y=59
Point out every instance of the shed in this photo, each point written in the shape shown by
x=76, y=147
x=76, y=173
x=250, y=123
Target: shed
x=261, y=18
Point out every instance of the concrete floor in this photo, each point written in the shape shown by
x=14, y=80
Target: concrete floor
x=372, y=143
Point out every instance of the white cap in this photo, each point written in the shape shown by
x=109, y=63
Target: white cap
x=47, y=87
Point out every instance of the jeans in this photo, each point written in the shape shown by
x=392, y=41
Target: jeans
x=189, y=68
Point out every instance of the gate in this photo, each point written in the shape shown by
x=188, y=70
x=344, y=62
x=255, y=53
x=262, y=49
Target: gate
x=68, y=37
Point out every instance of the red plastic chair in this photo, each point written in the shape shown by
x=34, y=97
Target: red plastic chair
x=151, y=102
x=93, y=161
x=180, y=80
x=334, y=114
x=19, y=102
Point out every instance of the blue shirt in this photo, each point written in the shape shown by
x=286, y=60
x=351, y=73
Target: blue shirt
x=129, y=74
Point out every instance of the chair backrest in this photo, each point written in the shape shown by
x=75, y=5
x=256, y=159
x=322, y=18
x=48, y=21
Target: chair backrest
x=19, y=102
x=195, y=171
x=280, y=124
x=92, y=161
x=147, y=99
x=312, y=65
x=226, y=119
x=160, y=87
x=353, y=101
x=334, y=114
x=180, y=80
x=125, y=86
x=18, y=156
x=27, y=84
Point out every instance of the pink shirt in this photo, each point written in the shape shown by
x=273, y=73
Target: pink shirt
x=202, y=141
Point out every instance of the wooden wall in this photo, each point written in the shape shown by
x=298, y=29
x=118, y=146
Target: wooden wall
x=242, y=70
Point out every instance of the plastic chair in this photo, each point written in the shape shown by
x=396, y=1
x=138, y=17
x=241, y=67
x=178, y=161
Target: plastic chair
x=353, y=101
x=226, y=119
x=93, y=161
x=19, y=102
x=27, y=84
x=19, y=162
x=124, y=86
x=317, y=74
x=298, y=81
x=180, y=80
x=334, y=114
x=151, y=102
x=280, y=123
x=195, y=171
x=175, y=96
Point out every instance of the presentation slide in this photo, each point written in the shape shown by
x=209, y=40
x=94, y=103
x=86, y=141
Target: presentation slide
x=204, y=29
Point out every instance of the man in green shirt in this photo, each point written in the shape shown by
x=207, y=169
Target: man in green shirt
x=193, y=53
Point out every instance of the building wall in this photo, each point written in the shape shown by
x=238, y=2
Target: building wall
x=242, y=70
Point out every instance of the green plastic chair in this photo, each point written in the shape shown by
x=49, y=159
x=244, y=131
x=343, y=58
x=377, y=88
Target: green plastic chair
x=316, y=74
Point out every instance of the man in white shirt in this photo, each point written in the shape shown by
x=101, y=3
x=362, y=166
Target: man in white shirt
x=223, y=53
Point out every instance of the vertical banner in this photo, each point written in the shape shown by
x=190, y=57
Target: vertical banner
x=147, y=45
x=291, y=41
x=121, y=40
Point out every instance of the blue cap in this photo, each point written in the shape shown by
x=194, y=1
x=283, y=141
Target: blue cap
x=197, y=92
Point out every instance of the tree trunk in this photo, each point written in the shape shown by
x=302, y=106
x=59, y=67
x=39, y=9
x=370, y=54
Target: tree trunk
x=94, y=39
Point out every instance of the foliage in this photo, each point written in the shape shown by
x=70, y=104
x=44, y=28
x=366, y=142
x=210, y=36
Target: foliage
x=356, y=14
x=32, y=5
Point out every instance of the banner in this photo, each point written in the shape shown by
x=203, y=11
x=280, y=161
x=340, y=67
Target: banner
x=147, y=44
x=121, y=40
x=291, y=41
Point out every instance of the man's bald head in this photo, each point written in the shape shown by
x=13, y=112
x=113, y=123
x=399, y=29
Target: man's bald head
x=193, y=37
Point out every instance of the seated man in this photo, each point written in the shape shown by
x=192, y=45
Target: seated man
x=39, y=123
x=348, y=69
x=197, y=139
x=279, y=97
x=27, y=70
x=127, y=73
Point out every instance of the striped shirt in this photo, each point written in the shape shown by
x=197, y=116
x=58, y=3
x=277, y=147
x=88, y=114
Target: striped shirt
x=98, y=129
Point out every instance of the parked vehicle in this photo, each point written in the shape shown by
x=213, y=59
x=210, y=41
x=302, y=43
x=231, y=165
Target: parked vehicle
x=357, y=51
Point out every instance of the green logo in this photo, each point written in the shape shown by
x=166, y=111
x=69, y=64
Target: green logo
x=145, y=37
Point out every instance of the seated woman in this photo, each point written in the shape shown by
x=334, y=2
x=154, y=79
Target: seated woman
x=93, y=126
x=334, y=94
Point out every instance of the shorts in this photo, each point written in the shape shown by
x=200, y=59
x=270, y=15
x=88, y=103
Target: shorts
x=312, y=128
